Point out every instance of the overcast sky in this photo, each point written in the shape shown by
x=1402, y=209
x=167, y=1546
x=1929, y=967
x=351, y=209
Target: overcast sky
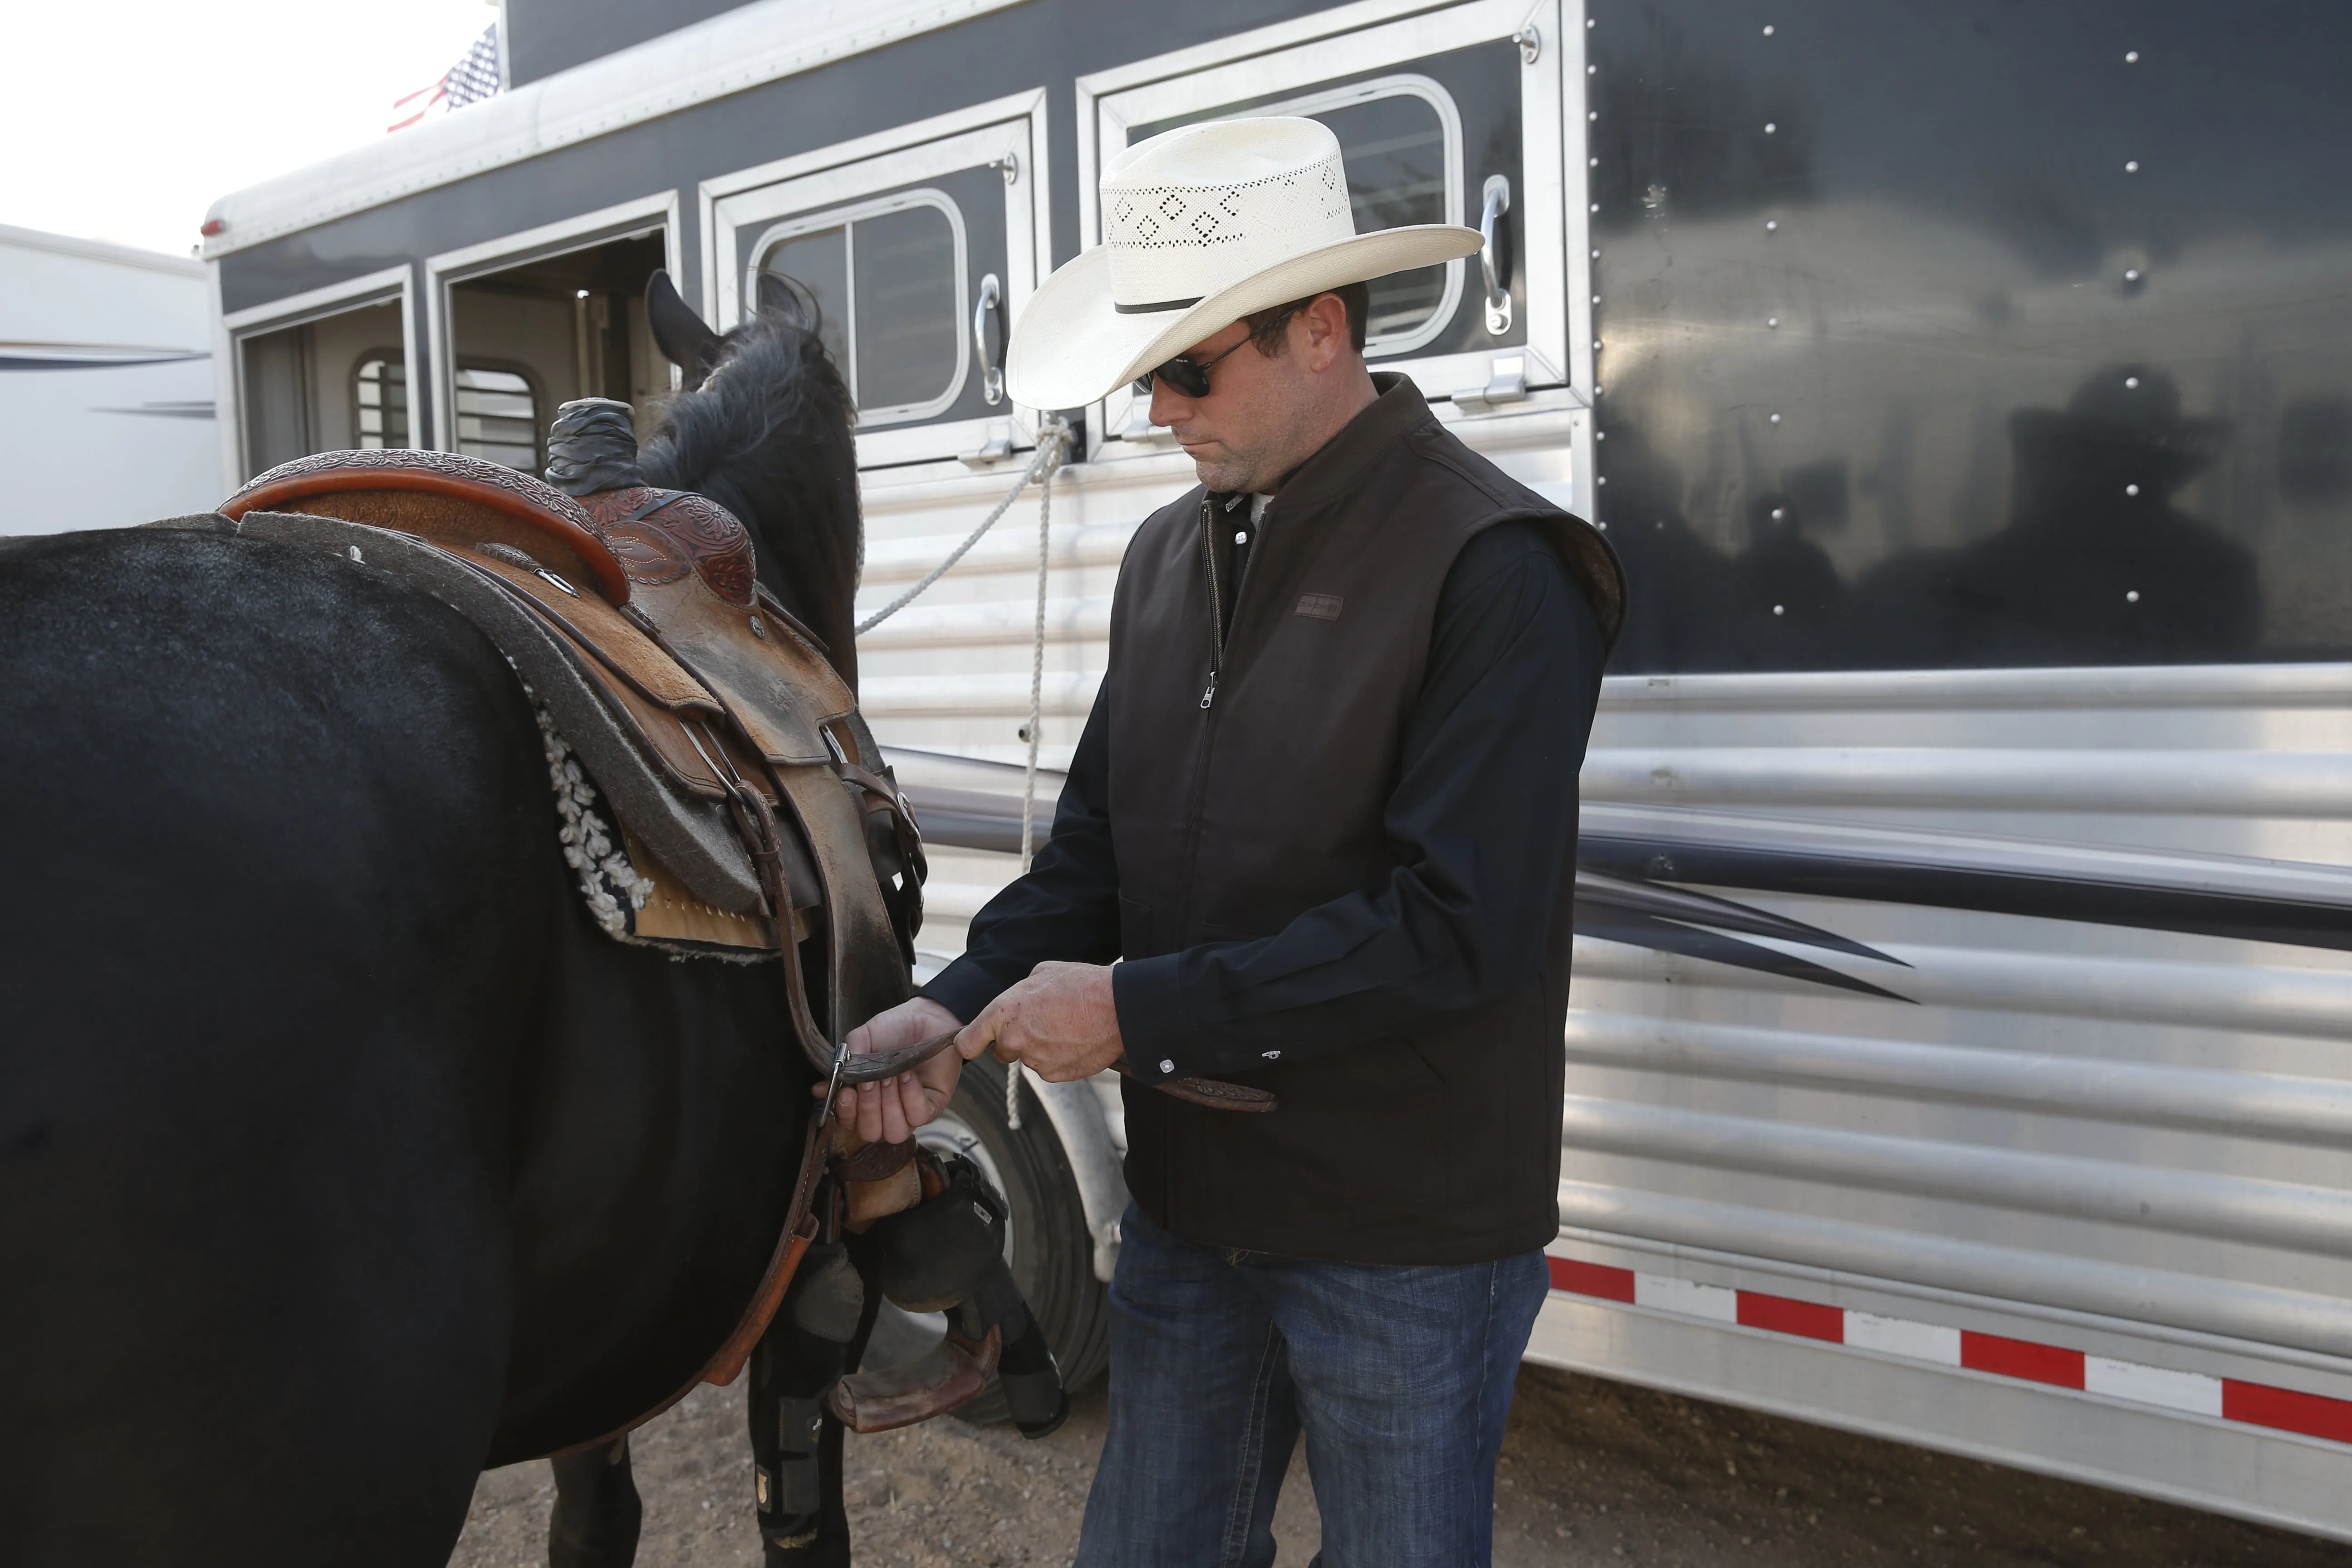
x=124, y=121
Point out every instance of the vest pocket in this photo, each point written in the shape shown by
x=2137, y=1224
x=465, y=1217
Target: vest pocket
x=1134, y=929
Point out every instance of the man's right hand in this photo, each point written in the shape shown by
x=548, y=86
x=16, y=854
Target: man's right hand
x=891, y=1110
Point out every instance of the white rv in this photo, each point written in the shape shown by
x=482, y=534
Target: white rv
x=1961, y=1042
x=106, y=383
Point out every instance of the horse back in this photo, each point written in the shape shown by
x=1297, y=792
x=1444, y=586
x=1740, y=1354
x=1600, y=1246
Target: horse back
x=276, y=921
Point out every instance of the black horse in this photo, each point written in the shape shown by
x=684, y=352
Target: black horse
x=342, y=1155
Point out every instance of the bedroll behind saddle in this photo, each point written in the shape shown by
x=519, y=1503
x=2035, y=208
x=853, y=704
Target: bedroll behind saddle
x=751, y=797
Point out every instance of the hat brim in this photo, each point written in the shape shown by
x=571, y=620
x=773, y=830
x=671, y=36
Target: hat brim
x=1072, y=347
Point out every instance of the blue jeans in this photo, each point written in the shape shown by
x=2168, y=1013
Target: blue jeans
x=1401, y=1378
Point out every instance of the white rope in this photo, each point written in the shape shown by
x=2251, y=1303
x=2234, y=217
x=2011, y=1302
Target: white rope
x=1057, y=436
x=1053, y=442
x=1036, y=676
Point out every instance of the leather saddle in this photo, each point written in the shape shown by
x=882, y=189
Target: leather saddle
x=751, y=796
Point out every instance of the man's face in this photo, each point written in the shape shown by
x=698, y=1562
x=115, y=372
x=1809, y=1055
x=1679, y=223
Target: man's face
x=1248, y=431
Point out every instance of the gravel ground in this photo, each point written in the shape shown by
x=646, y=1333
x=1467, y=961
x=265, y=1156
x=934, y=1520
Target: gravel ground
x=1593, y=1472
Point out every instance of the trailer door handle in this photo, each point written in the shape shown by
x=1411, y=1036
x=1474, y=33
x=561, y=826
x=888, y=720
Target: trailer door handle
x=1494, y=257
x=991, y=301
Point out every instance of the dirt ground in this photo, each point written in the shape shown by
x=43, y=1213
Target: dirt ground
x=1593, y=1472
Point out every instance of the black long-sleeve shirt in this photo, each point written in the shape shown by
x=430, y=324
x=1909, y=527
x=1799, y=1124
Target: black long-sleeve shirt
x=1482, y=821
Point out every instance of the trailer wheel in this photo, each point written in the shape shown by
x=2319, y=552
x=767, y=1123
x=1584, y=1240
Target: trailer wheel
x=1047, y=1239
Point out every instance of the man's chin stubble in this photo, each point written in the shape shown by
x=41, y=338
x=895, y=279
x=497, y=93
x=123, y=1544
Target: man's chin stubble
x=1224, y=478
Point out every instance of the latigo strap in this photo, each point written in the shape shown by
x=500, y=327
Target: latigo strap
x=871, y=1067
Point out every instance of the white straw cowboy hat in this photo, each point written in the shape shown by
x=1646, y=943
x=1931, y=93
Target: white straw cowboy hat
x=1203, y=225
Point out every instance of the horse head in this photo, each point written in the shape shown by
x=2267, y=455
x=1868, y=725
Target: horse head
x=764, y=428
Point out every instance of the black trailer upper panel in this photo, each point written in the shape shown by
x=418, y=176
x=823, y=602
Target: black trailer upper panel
x=1975, y=335
x=544, y=36
x=1971, y=335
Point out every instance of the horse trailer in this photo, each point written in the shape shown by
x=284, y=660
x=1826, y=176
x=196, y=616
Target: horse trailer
x=1958, y=1044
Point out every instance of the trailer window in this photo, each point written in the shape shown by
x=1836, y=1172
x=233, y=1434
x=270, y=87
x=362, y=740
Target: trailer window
x=380, y=401
x=1394, y=147
x=498, y=417
x=888, y=282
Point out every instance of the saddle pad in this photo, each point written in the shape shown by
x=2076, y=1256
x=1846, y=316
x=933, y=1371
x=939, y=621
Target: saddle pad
x=673, y=918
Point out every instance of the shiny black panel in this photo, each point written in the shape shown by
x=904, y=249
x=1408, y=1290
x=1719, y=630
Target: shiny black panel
x=1975, y=333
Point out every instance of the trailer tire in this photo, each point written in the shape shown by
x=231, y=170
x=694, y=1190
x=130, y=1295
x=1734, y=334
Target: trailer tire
x=1048, y=1243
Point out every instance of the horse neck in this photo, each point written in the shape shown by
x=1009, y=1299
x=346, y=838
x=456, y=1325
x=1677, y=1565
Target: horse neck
x=822, y=598
x=808, y=558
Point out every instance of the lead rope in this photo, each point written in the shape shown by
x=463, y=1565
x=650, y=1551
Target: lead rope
x=1057, y=436
x=1037, y=670
x=1053, y=446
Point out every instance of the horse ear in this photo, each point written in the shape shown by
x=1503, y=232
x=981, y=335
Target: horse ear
x=678, y=332
x=788, y=298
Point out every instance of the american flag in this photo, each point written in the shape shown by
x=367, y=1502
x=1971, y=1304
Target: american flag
x=470, y=80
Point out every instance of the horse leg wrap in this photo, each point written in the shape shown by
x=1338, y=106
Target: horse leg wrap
x=1030, y=1378
x=801, y=1357
x=598, y=1513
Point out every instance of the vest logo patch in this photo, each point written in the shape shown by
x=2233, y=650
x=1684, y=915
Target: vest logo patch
x=1322, y=606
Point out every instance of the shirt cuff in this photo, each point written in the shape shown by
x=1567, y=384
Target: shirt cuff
x=1152, y=1018
x=963, y=988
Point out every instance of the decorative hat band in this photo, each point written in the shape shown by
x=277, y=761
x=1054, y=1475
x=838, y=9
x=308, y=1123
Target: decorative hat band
x=1172, y=246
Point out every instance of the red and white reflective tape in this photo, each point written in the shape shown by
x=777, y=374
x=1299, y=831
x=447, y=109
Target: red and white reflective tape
x=2196, y=1393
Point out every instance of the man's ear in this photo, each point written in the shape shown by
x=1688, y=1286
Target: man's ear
x=1326, y=320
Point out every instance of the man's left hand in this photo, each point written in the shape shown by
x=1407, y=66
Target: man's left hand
x=1060, y=1023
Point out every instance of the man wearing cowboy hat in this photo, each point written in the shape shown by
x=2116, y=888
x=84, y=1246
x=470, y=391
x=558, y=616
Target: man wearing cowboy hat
x=1320, y=837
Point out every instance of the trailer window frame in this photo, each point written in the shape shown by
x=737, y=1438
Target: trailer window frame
x=388, y=285
x=742, y=210
x=1283, y=69
x=637, y=219
x=846, y=218
x=1406, y=84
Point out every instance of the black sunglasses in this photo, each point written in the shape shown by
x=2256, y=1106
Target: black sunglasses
x=1190, y=377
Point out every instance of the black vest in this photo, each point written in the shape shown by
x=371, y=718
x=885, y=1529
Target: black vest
x=1231, y=818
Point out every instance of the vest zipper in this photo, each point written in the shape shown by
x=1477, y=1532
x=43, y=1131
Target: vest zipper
x=1208, y=719
x=1218, y=630
x=1217, y=625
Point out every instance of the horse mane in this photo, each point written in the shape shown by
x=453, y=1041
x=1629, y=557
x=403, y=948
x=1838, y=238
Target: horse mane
x=768, y=436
